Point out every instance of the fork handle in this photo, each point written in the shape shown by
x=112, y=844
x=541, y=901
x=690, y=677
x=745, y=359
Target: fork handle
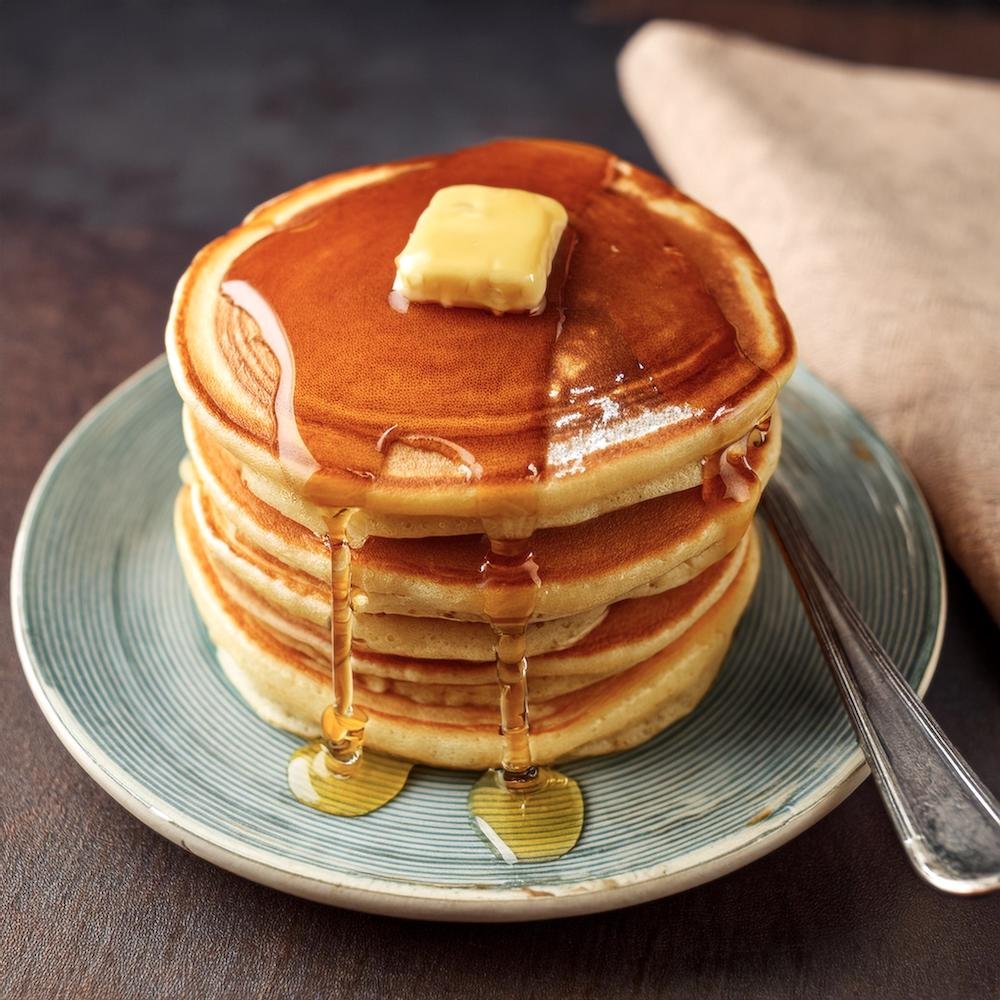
x=947, y=820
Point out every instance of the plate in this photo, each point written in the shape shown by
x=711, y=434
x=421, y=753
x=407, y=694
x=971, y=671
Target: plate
x=125, y=673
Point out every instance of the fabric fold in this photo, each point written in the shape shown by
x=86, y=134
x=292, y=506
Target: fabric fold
x=873, y=196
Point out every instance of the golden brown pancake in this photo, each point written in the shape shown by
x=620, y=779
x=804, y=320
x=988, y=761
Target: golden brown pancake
x=448, y=651
x=289, y=687
x=647, y=547
x=612, y=448
x=661, y=343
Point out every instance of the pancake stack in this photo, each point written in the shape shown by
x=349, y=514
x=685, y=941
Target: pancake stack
x=621, y=435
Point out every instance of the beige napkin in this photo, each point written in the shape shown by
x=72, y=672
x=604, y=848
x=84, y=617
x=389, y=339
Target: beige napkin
x=873, y=197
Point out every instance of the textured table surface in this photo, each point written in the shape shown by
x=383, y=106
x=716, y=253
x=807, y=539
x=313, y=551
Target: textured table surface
x=131, y=134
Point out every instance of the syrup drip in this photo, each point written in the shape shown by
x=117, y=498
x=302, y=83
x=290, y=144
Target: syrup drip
x=343, y=725
x=727, y=474
x=603, y=374
x=524, y=812
x=334, y=773
x=511, y=582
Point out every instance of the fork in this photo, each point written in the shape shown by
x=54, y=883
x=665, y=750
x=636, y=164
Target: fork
x=946, y=819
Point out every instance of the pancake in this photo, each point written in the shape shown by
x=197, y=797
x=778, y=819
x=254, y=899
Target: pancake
x=561, y=501
x=661, y=343
x=289, y=689
x=443, y=651
x=643, y=549
x=297, y=595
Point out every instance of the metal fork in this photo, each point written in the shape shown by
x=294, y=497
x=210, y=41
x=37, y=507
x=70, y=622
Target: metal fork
x=947, y=820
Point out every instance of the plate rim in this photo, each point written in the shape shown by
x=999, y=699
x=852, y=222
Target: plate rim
x=408, y=899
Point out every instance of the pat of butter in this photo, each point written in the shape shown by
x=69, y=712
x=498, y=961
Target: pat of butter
x=481, y=247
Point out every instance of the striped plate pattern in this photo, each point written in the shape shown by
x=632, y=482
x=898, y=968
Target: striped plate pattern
x=127, y=677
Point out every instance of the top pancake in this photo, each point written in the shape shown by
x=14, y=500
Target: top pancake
x=661, y=343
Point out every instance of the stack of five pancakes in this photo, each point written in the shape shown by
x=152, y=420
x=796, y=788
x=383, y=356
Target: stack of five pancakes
x=622, y=435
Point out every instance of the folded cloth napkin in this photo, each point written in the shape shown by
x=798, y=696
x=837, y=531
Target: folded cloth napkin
x=873, y=197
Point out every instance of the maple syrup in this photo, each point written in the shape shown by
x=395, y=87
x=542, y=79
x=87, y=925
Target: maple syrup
x=523, y=811
x=538, y=823
x=604, y=364
x=334, y=773
x=728, y=474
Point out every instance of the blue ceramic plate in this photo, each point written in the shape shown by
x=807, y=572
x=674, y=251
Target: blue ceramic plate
x=125, y=674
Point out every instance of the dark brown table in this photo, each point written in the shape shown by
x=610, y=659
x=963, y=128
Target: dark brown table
x=129, y=134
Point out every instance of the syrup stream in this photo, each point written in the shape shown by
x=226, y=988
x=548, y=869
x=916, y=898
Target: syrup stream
x=334, y=773
x=511, y=583
x=524, y=811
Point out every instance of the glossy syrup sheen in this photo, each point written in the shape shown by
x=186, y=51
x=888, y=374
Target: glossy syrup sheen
x=499, y=399
x=631, y=340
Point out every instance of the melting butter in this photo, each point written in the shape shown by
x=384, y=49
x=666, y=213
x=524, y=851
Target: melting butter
x=481, y=247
